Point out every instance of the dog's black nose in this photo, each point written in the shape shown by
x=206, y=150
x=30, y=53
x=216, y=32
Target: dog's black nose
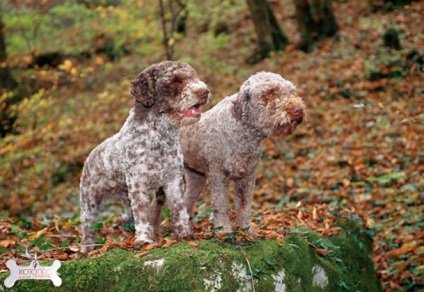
x=203, y=93
x=296, y=113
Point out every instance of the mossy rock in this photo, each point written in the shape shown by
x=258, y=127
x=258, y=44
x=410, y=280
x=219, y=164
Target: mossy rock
x=305, y=261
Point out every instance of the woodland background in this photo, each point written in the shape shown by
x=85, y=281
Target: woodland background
x=65, y=70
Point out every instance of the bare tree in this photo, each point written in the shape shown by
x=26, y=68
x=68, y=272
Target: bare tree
x=8, y=115
x=6, y=79
x=170, y=24
x=316, y=21
x=325, y=20
x=269, y=36
x=391, y=39
x=389, y=5
x=305, y=24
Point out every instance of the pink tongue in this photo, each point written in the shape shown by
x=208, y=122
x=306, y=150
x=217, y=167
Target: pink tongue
x=192, y=112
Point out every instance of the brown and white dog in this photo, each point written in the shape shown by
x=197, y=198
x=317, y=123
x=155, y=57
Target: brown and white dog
x=226, y=144
x=145, y=155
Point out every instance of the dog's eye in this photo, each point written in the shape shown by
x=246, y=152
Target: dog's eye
x=177, y=79
x=271, y=95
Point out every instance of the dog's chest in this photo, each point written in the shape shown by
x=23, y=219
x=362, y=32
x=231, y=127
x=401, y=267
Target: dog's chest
x=155, y=164
x=241, y=155
x=242, y=164
x=151, y=151
x=160, y=157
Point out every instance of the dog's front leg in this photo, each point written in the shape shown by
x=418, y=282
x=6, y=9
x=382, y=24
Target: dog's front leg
x=243, y=200
x=140, y=207
x=195, y=183
x=180, y=218
x=90, y=208
x=218, y=185
x=156, y=211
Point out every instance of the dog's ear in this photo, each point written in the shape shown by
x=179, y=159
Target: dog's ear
x=143, y=89
x=240, y=105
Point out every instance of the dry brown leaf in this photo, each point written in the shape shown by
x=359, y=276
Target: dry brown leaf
x=130, y=241
x=62, y=257
x=104, y=248
x=73, y=248
x=193, y=244
x=401, y=266
x=38, y=233
x=5, y=225
x=314, y=213
x=409, y=246
x=6, y=242
x=394, y=285
x=170, y=243
x=300, y=214
x=151, y=246
x=322, y=251
x=141, y=254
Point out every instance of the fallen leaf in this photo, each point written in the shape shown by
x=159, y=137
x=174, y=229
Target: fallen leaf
x=193, y=244
x=151, y=246
x=62, y=257
x=67, y=65
x=130, y=241
x=141, y=254
x=73, y=248
x=346, y=182
x=6, y=242
x=370, y=223
x=322, y=251
x=300, y=214
x=401, y=266
x=169, y=243
x=5, y=225
x=419, y=268
x=37, y=234
x=104, y=248
x=409, y=245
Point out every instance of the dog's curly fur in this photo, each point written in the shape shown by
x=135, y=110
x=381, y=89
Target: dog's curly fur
x=226, y=144
x=145, y=155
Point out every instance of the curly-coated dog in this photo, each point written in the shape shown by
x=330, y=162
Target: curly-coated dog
x=145, y=155
x=226, y=144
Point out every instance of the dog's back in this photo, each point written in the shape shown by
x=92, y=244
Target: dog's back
x=219, y=141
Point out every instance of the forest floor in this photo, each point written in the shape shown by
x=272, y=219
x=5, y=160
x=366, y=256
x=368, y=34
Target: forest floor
x=359, y=155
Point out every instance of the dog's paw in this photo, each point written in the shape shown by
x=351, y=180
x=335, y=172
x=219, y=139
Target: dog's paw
x=87, y=248
x=187, y=237
x=183, y=231
x=140, y=243
x=220, y=230
x=250, y=231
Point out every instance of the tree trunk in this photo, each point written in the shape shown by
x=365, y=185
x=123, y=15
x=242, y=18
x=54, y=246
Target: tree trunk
x=8, y=115
x=6, y=79
x=169, y=47
x=389, y=5
x=270, y=37
x=316, y=21
x=325, y=20
x=305, y=24
x=391, y=39
x=172, y=24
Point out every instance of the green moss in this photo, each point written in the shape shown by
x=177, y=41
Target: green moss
x=290, y=265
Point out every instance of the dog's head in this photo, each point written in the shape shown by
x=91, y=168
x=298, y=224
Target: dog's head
x=270, y=104
x=171, y=88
